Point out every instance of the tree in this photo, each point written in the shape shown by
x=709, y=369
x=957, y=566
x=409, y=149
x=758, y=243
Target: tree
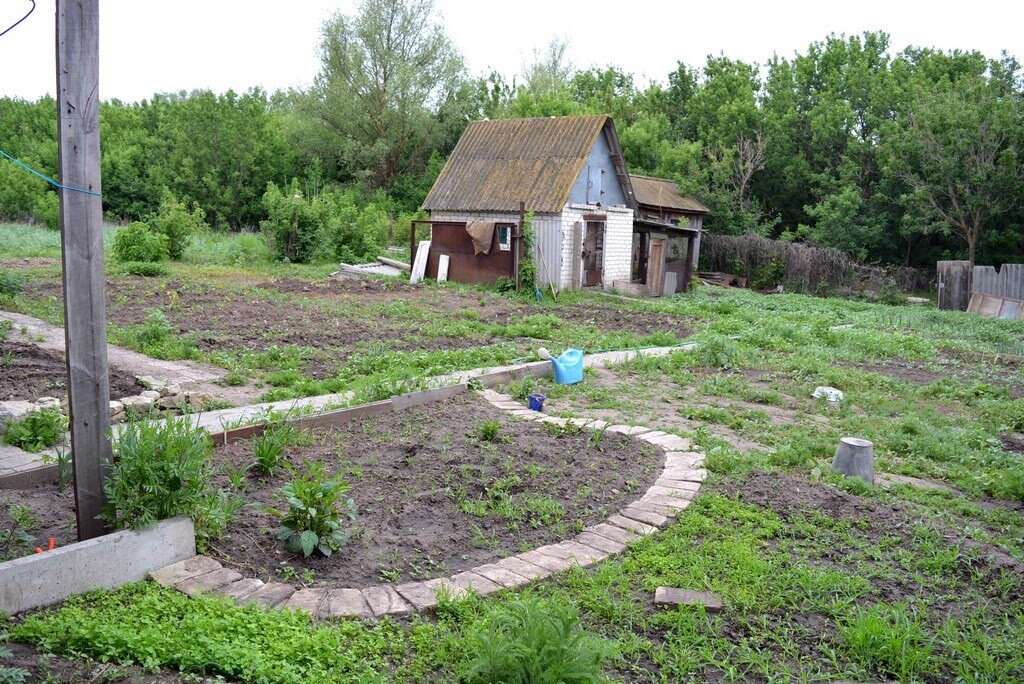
x=960, y=157
x=380, y=102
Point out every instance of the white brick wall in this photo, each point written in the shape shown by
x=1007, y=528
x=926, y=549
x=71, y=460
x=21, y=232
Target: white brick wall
x=618, y=242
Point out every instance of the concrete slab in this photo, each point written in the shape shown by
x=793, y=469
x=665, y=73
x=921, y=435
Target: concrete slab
x=472, y=580
x=634, y=526
x=240, y=591
x=385, y=601
x=345, y=603
x=271, y=594
x=672, y=597
x=174, y=573
x=596, y=541
x=418, y=594
x=520, y=566
x=204, y=584
x=501, y=576
x=306, y=600
x=106, y=562
x=645, y=516
x=616, y=534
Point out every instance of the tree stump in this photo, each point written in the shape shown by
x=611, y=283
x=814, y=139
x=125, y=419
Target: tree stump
x=855, y=457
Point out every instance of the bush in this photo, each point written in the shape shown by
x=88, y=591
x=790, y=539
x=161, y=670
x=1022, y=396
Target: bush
x=162, y=469
x=313, y=521
x=146, y=269
x=329, y=225
x=137, y=242
x=158, y=338
x=228, y=250
x=11, y=283
x=36, y=431
x=47, y=210
x=174, y=221
x=532, y=640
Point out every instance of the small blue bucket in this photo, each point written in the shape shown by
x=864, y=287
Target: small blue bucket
x=537, y=402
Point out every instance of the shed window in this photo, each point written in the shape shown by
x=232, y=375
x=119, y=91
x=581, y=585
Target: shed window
x=504, y=237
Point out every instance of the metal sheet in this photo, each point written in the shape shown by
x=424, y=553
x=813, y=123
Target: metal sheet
x=547, y=251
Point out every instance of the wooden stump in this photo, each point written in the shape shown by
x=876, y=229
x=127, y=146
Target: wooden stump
x=855, y=457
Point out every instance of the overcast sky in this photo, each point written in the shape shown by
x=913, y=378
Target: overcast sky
x=149, y=47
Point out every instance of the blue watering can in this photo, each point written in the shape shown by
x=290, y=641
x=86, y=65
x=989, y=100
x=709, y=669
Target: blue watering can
x=569, y=367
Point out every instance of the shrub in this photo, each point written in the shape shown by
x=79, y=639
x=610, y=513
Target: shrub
x=137, y=242
x=146, y=269
x=11, y=283
x=46, y=210
x=174, y=221
x=36, y=431
x=293, y=226
x=162, y=469
x=315, y=507
x=532, y=640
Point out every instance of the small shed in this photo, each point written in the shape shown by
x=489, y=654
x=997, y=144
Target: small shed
x=666, y=237
x=591, y=228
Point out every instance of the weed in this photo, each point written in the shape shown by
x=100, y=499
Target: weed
x=313, y=521
x=529, y=639
x=162, y=469
x=268, y=449
x=889, y=640
x=11, y=284
x=38, y=430
x=489, y=430
x=16, y=541
x=146, y=269
x=717, y=352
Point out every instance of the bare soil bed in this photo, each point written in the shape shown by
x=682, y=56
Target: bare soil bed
x=414, y=475
x=336, y=317
x=28, y=372
x=433, y=497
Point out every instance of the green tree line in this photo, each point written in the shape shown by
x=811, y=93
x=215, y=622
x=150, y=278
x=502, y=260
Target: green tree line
x=894, y=157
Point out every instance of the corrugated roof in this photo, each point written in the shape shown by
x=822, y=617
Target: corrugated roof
x=661, y=192
x=498, y=163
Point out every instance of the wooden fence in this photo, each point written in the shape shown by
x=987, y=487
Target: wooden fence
x=956, y=283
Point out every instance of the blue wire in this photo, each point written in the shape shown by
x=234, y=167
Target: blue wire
x=48, y=179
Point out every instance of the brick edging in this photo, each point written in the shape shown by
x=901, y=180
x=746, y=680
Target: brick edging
x=678, y=484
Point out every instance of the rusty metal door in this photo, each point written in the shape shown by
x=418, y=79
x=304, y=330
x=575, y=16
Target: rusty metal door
x=593, y=253
x=656, y=264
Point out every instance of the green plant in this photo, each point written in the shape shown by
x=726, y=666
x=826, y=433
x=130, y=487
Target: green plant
x=159, y=338
x=313, y=521
x=529, y=639
x=489, y=430
x=174, y=221
x=10, y=675
x=37, y=430
x=11, y=283
x=889, y=640
x=146, y=269
x=15, y=540
x=268, y=448
x=138, y=242
x=162, y=469
x=718, y=352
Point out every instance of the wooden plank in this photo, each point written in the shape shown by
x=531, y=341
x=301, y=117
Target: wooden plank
x=442, y=268
x=419, y=265
x=81, y=220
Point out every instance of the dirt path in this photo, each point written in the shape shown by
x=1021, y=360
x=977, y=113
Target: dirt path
x=191, y=375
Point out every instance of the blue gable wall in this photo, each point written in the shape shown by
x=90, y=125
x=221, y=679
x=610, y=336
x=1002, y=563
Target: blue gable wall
x=600, y=159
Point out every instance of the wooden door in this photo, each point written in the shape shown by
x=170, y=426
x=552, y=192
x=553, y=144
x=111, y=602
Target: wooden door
x=593, y=253
x=656, y=264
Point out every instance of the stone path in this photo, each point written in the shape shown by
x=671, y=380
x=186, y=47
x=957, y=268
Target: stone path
x=680, y=480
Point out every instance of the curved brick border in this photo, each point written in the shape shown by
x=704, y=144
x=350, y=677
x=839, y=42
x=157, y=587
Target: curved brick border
x=673, y=491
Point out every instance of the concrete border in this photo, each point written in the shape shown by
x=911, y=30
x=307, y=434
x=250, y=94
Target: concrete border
x=677, y=485
x=43, y=475
x=105, y=562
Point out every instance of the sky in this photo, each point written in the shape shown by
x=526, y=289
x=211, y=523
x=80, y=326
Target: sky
x=148, y=47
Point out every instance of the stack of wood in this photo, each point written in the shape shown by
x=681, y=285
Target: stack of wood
x=383, y=266
x=721, y=279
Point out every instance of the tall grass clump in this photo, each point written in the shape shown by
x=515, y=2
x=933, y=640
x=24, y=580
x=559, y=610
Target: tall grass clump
x=162, y=469
x=533, y=640
x=718, y=352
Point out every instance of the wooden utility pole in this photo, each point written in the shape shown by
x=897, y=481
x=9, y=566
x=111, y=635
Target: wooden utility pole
x=81, y=227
